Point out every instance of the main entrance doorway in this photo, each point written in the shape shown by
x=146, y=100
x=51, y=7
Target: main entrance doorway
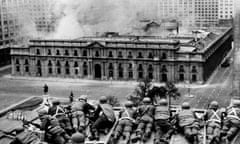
x=98, y=73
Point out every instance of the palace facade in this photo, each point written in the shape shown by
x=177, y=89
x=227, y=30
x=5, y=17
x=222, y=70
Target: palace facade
x=116, y=57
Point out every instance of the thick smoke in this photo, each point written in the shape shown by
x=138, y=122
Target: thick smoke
x=78, y=18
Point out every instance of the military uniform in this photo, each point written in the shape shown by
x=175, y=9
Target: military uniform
x=58, y=112
x=213, y=118
x=79, y=110
x=145, y=119
x=53, y=132
x=104, y=118
x=77, y=138
x=126, y=122
x=162, y=122
x=232, y=121
x=187, y=122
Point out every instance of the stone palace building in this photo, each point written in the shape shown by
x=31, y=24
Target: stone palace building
x=176, y=58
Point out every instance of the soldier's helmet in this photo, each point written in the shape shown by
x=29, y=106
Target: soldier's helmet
x=146, y=100
x=42, y=112
x=163, y=102
x=83, y=97
x=77, y=138
x=185, y=105
x=128, y=104
x=103, y=99
x=214, y=105
x=236, y=103
x=56, y=102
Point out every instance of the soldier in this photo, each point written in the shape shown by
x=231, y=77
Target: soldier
x=53, y=132
x=45, y=89
x=126, y=122
x=104, y=117
x=162, y=122
x=188, y=123
x=213, y=118
x=58, y=112
x=78, y=138
x=71, y=97
x=232, y=121
x=80, y=109
x=145, y=119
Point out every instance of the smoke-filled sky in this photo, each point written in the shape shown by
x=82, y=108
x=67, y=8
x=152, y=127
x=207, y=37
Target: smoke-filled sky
x=78, y=18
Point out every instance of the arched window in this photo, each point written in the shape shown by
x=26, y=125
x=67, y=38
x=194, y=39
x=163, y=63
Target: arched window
x=130, y=55
x=150, y=55
x=120, y=54
x=38, y=52
x=140, y=55
x=164, y=55
x=164, y=68
x=85, y=53
x=120, y=71
x=140, y=71
x=194, y=69
x=110, y=70
x=164, y=77
x=66, y=53
x=97, y=54
x=49, y=52
x=39, y=68
x=38, y=63
x=110, y=54
x=58, y=52
x=17, y=62
x=67, y=68
x=75, y=53
x=85, y=69
x=150, y=72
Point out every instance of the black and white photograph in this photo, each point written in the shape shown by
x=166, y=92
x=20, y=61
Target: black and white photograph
x=119, y=71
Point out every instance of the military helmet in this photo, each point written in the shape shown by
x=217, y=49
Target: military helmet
x=236, y=103
x=128, y=104
x=42, y=112
x=185, y=105
x=103, y=99
x=83, y=97
x=163, y=102
x=77, y=138
x=146, y=100
x=56, y=102
x=213, y=105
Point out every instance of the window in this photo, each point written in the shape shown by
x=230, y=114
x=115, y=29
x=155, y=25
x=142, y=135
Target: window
x=139, y=55
x=181, y=68
x=140, y=71
x=75, y=53
x=150, y=55
x=66, y=53
x=85, y=69
x=110, y=54
x=120, y=54
x=164, y=55
x=120, y=71
x=58, y=67
x=84, y=53
x=97, y=54
x=194, y=77
x=26, y=62
x=18, y=68
x=164, y=69
x=58, y=52
x=110, y=70
x=130, y=71
x=38, y=52
x=130, y=55
x=150, y=72
x=17, y=62
x=181, y=77
x=67, y=69
x=49, y=67
x=49, y=52
x=76, y=68
x=194, y=69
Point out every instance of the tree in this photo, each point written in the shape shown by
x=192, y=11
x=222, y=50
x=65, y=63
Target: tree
x=141, y=90
x=155, y=92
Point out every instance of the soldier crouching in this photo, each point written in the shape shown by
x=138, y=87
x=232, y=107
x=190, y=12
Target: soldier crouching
x=232, y=122
x=162, y=123
x=53, y=132
x=188, y=123
x=144, y=120
x=125, y=123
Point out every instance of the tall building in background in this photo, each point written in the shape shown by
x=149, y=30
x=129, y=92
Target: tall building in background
x=181, y=10
x=206, y=13
x=225, y=12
